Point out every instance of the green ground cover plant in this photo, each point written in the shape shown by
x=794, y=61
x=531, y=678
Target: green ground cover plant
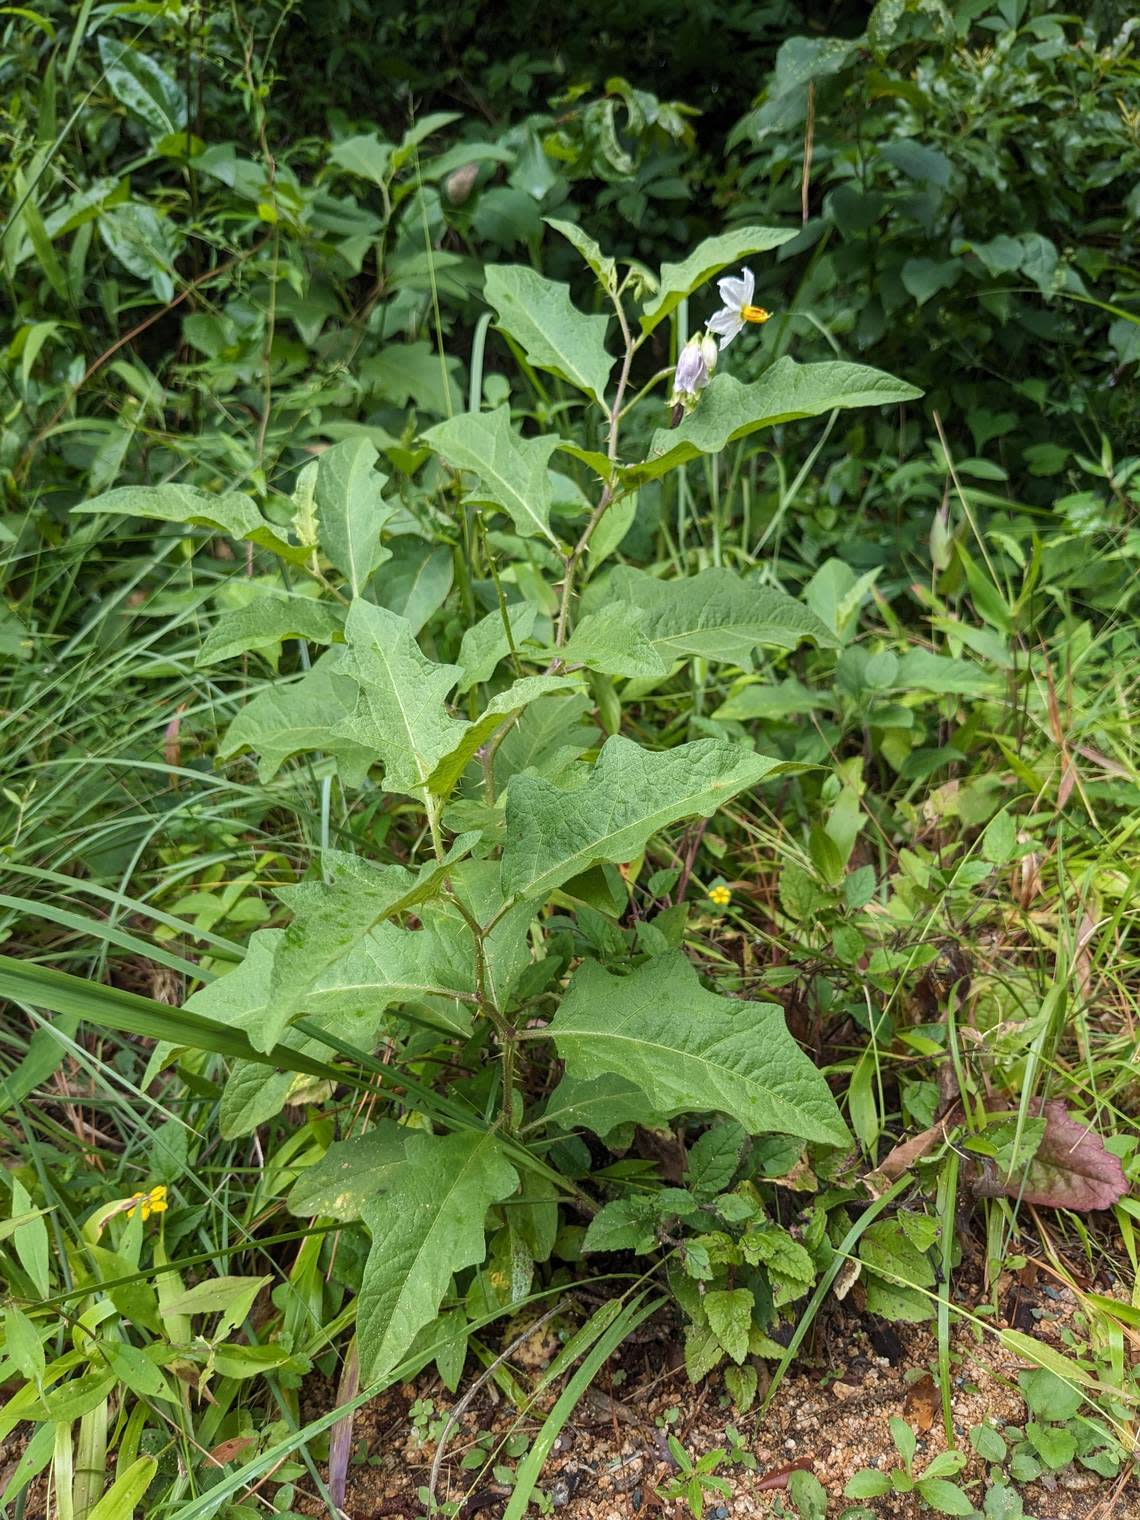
x=516, y=810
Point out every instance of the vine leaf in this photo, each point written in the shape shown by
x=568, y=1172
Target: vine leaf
x=631, y=792
x=689, y=1049
x=426, y=1227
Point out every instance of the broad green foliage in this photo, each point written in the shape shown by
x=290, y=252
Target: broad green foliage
x=731, y=410
x=688, y=1048
x=351, y=510
x=708, y=258
x=399, y=707
x=539, y=315
x=553, y=834
x=494, y=749
x=512, y=471
x=426, y=1226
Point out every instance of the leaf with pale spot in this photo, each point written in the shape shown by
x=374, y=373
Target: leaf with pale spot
x=425, y=1228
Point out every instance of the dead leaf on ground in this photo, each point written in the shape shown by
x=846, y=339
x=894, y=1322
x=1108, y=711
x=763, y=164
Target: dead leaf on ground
x=921, y=1403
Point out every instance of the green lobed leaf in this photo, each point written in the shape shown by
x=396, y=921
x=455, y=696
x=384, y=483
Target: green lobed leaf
x=513, y=470
x=331, y=917
x=690, y=1050
x=351, y=510
x=613, y=641
x=263, y=623
x=631, y=792
x=714, y=615
x=399, y=709
x=425, y=1228
x=350, y=1173
x=729, y=1313
x=294, y=717
x=730, y=409
x=553, y=334
x=709, y=258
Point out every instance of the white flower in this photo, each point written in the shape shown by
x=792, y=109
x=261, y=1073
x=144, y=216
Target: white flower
x=738, y=308
x=695, y=364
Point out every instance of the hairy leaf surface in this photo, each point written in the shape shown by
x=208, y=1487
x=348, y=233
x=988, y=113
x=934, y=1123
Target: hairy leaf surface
x=689, y=1049
x=425, y=1228
x=631, y=792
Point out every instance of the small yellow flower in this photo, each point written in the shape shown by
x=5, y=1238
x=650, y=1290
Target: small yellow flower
x=722, y=896
x=150, y=1203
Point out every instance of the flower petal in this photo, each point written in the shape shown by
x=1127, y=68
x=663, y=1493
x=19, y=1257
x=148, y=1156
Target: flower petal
x=726, y=324
x=749, y=282
x=733, y=292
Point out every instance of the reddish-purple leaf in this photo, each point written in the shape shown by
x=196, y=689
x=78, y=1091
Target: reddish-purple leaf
x=1070, y=1170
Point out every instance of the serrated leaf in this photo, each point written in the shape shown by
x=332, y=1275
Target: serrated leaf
x=702, y=1351
x=729, y=1312
x=689, y=1049
x=295, y=717
x=709, y=258
x=263, y=623
x=715, y=615
x=630, y=793
x=773, y=1247
x=626, y=1224
x=513, y=471
x=351, y=510
x=742, y=1384
x=485, y=643
x=711, y=1163
x=428, y=1226
x=399, y=710
x=552, y=332
x=350, y=1173
x=730, y=409
x=231, y=512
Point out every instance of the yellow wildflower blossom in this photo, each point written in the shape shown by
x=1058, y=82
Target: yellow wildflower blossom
x=150, y=1203
x=722, y=896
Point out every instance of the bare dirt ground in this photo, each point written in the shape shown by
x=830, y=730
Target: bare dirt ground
x=830, y=1417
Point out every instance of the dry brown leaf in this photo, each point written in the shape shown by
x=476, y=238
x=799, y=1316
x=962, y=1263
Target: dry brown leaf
x=921, y=1403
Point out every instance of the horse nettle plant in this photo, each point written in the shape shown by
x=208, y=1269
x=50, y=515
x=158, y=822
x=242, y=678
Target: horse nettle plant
x=489, y=944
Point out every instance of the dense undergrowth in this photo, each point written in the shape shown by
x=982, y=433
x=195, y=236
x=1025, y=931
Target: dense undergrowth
x=493, y=830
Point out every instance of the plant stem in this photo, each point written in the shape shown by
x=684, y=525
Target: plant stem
x=574, y=558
